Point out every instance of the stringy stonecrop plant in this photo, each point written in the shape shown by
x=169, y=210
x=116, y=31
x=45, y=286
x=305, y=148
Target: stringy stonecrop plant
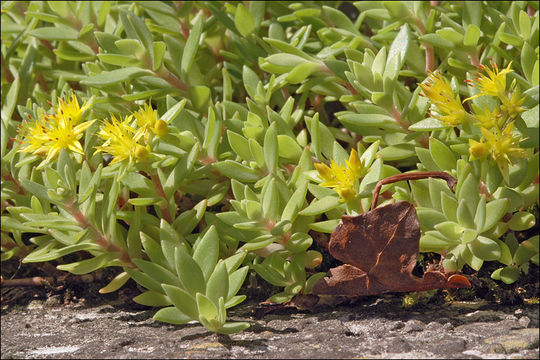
x=208, y=145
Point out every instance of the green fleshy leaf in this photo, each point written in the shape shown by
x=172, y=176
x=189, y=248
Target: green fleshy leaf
x=57, y=253
x=152, y=298
x=192, y=44
x=171, y=315
x=157, y=272
x=218, y=283
x=468, y=192
x=495, y=210
x=428, y=124
x=327, y=226
x=86, y=266
x=485, y=248
x=146, y=201
x=115, y=76
x=464, y=216
x=472, y=35
x=289, y=148
x=521, y=221
x=232, y=328
x=299, y=242
x=271, y=148
x=182, y=300
x=320, y=206
x=428, y=217
x=243, y=20
x=433, y=241
x=206, y=307
x=237, y=171
x=442, y=155
x=509, y=274
x=189, y=272
x=236, y=279
x=206, y=251
x=55, y=33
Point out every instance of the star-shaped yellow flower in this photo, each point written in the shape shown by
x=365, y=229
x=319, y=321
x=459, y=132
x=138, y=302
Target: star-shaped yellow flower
x=486, y=118
x=439, y=92
x=122, y=140
x=342, y=178
x=493, y=84
x=147, y=118
x=51, y=133
x=503, y=147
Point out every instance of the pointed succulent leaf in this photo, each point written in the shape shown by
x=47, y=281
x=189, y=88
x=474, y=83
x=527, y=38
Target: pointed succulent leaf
x=190, y=273
x=218, y=283
x=182, y=300
x=206, y=251
x=495, y=210
x=485, y=248
x=152, y=298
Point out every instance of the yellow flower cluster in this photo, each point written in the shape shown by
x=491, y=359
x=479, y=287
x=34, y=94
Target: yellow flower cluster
x=51, y=133
x=126, y=139
x=342, y=178
x=498, y=140
x=503, y=146
x=438, y=90
x=496, y=125
x=123, y=138
x=122, y=141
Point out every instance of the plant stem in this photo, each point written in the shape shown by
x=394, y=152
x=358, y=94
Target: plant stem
x=172, y=79
x=99, y=238
x=165, y=209
x=411, y=176
x=474, y=59
x=5, y=69
x=48, y=280
x=9, y=177
x=430, y=58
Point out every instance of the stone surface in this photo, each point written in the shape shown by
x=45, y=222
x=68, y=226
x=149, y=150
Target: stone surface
x=380, y=329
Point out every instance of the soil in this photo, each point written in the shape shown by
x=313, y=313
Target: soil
x=77, y=322
x=371, y=328
x=72, y=320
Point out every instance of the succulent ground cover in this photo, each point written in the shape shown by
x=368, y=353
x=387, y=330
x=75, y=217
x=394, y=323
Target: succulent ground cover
x=193, y=145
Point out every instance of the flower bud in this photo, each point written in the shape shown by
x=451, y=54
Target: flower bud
x=141, y=153
x=478, y=150
x=160, y=128
x=313, y=259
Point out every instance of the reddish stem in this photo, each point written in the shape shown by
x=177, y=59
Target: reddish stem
x=396, y=114
x=430, y=58
x=99, y=238
x=5, y=69
x=48, y=280
x=9, y=177
x=473, y=58
x=165, y=209
x=172, y=79
x=411, y=176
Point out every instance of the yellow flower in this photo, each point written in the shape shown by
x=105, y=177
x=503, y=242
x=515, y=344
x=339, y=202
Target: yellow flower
x=64, y=135
x=503, y=147
x=35, y=137
x=478, y=150
x=70, y=111
x=486, y=118
x=512, y=106
x=342, y=178
x=494, y=84
x=147, y=118
x=52, y=133
x=122, y=140
x=439, y=92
